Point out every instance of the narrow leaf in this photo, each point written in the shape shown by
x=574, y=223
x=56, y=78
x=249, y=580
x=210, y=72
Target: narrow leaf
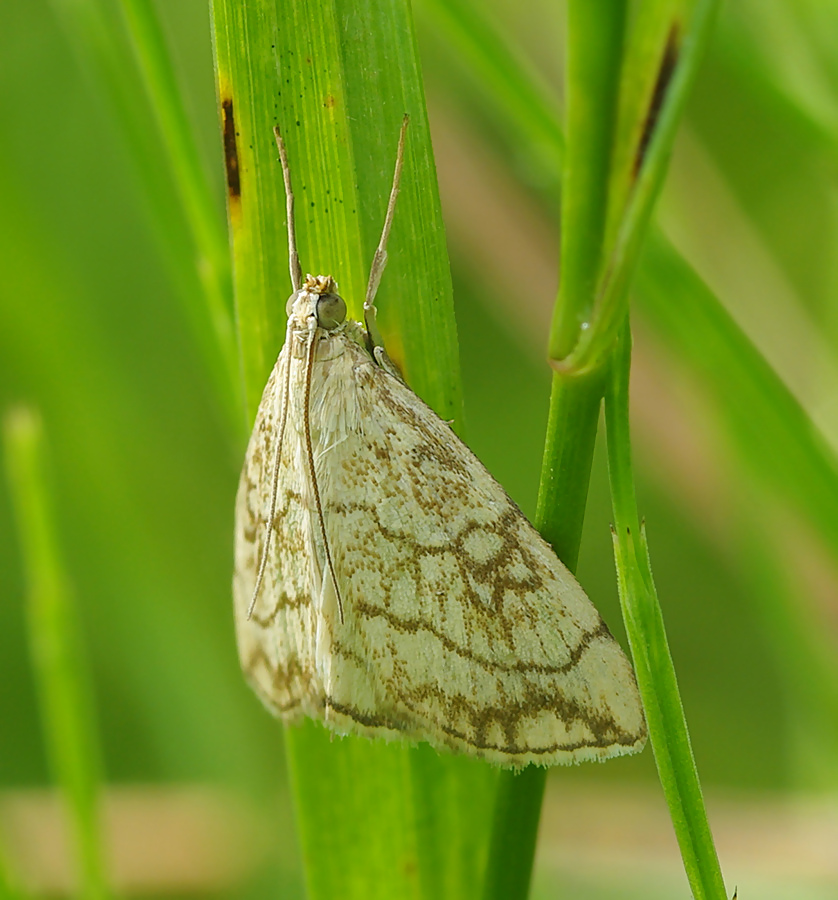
x=650, y=650
x=56, y=648
x=95, y=35
x=191, y=179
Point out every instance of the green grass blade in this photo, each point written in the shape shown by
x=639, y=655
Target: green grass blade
x=650, y=650
x=803, y=652
x=56, y=648
x=8, y=890
x=203, y=214
x=375, y=820
x=504, y=74
x=340, y=108
x=95, y=34
x=775, y=436
x=514, y=833
x=782, y=451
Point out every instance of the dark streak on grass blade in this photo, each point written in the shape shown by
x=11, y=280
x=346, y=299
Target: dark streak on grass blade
x=56, y=648
x=375, y=819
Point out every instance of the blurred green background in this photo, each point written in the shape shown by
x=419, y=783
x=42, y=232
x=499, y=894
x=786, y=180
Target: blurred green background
x=96, y=333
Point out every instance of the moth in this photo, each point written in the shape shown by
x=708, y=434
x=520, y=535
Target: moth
x=385, y=584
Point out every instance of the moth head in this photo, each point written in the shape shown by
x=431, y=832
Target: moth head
x=318, y=297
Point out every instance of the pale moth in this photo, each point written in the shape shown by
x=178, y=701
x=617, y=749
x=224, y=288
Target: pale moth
x=385, y=584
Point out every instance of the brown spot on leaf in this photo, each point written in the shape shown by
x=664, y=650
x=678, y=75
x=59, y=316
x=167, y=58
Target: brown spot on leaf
x=231, y=155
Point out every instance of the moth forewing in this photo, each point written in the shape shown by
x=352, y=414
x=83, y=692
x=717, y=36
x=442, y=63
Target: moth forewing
x=394, y=588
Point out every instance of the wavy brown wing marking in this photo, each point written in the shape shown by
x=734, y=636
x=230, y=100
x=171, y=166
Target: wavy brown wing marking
x=275, y=644
x=476, y=637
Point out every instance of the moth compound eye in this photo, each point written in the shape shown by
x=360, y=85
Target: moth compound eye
x=331, y=311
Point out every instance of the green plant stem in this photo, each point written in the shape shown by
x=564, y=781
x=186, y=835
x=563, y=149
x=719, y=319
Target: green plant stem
x=515, y=833
x=571, y=435
x=566, y=466
x=650, y=650
x=612, y=300
x=56, y=648
x=596, y=33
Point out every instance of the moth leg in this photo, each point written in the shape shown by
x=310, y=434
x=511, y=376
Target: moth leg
x=384, y=361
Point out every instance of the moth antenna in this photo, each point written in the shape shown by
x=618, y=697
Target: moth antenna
x=263, y=562
x=293, y=256
x=307, y=430
x=379, y=260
